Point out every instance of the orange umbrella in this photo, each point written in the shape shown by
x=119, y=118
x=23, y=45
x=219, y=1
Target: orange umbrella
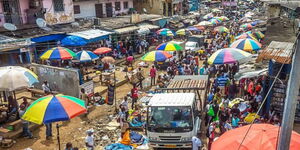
x=108, y=59
x=260, y=137
x=199, y=27
x=102, y=50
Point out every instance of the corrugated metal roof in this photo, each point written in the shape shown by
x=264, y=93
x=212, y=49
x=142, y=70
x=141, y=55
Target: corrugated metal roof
x=172, y=99
x=279, y=51
x=91, y=34
x=149, y=26
x=126, y=29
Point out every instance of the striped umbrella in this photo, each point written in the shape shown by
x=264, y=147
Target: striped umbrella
x=86, y=56
x=58, y=53
x=245, y=36
x=215, y=21
x=246, y=26
x=54, y=108
x=246, y=45
x=221, y=29
x=193, y=28
x=159, y=56
x=165, y=32
x=228, y=56
x=102, y=50
x=15, y=77
x=205, y=23
x=224, y=18
x=259, y=35
x=169, y=47
x=183, y=32
x=208, y=16
x=218, y=18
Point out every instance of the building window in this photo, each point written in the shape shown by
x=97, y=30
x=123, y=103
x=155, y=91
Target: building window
x=125, y=5
x=117, y=6
x=76, y=9
x=58, y=5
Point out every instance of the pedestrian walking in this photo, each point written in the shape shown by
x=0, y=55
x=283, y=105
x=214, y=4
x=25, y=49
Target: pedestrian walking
x=46, y=88
x=134, y=95
x=89, y=139
x=152, y=75
x=196, y=143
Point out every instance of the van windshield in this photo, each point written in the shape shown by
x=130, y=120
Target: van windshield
x=171, y=117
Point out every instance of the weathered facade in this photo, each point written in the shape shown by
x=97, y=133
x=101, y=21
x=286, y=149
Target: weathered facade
x=101, y=8
x=160, y=7
x=20, y=12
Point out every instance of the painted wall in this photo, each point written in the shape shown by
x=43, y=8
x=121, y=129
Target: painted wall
x=24, y=5
x=1, y=15
x=87, y=8
x=53, y=17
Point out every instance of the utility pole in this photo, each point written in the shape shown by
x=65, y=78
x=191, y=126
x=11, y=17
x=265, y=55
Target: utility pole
x=290, y=101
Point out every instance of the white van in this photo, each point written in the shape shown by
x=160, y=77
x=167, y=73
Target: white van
x=172, y=120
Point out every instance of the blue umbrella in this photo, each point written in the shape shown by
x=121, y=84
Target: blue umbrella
x=73, y=41
x=86, y=56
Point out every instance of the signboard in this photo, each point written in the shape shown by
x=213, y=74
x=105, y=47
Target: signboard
x=88, y=88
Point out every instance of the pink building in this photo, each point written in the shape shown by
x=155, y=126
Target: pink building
x=101, y=8
x=20, y=12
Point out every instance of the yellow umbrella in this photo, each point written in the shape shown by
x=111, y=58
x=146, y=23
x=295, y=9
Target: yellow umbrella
x=182, y=32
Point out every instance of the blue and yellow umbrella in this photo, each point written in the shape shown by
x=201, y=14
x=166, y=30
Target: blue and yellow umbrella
x=246, y=45
x=215, y=21
x=54, y=108
x=169, y=47
x=245, y=36
x=58, y=53
x=159, y=56
x=165, y=32
x=228, y=56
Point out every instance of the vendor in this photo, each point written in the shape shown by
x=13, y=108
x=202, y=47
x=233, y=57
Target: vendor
x=13, y=107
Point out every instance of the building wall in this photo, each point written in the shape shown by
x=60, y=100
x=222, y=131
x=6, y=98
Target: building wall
x=24, y=5
x=152, y=6
x=53, y=17
x=1, y=15
x=87, y=8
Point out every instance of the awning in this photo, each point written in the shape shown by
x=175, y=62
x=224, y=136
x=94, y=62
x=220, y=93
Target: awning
x=126, y=29
x=148, y=26
x=92, y=35
x=250, y=74
x=281, y=52
x=46, y=38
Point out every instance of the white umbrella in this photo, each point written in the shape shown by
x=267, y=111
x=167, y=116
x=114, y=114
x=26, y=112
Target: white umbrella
x=204, y=23
x=16, y=77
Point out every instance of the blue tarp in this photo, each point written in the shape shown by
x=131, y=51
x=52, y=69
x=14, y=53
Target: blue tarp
x=72, y=40
x=51, y=37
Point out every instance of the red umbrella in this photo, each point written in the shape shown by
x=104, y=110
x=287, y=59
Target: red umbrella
x=259, y=137
x=102, y=50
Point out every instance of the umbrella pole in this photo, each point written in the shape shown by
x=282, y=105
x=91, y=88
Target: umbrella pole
x=58, y=139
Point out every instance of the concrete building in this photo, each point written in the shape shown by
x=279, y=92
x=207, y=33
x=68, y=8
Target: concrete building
x=161, y=7
x=21, y=12
x=101, y=8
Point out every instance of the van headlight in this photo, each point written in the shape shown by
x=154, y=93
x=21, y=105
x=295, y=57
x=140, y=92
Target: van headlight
x=186, y=139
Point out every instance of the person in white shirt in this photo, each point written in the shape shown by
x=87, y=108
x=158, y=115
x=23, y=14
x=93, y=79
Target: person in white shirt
x=124, y=104
x=89, y=139
x=196, y=143
x=46, y=88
